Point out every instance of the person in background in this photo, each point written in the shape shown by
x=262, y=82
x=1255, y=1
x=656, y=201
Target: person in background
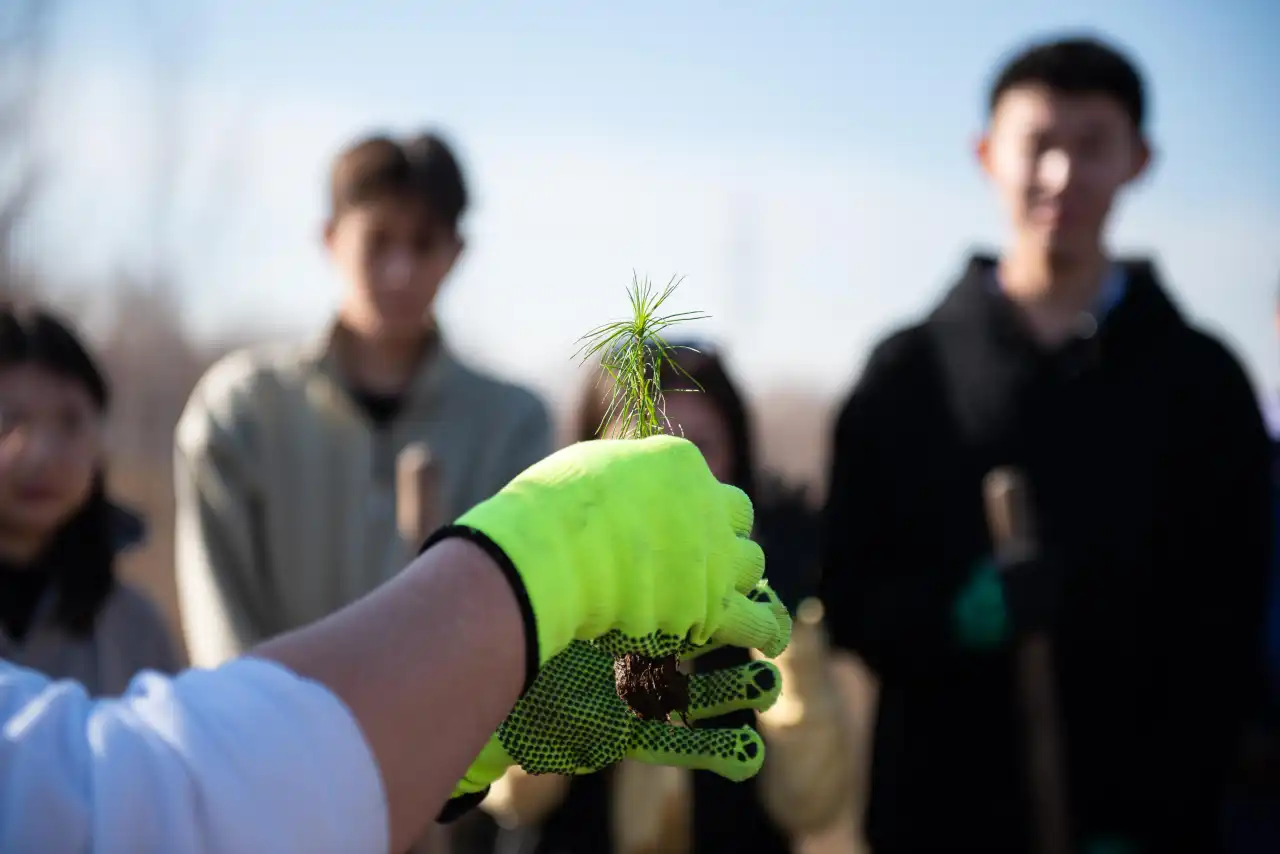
x=63, y=611
x=1252, y=820
x=643, y=809
x=286, y=456
x=1146, y=459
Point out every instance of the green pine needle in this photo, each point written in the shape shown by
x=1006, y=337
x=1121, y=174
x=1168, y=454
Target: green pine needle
x=632, y=353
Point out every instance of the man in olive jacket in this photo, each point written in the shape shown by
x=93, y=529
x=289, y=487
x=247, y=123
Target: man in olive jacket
x=286, y=455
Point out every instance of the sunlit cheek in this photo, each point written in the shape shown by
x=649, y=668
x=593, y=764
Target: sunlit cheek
x=353, y=258
x=1015, y=176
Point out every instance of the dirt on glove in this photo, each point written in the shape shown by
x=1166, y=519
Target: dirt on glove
x=653, y=688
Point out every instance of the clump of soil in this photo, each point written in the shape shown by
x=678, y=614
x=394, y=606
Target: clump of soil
x=652, y=688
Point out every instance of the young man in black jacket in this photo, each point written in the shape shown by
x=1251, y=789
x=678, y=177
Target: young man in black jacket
x=1147, y=461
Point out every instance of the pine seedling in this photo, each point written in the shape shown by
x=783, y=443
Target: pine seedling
x=632, y=353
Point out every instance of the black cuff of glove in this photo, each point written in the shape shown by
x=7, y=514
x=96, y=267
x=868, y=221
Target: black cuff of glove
x=532, y=656
x=457, y=807
x=1032, y=590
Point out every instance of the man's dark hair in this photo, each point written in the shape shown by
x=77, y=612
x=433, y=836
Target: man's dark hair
x=1075, y=66
x=423, y=167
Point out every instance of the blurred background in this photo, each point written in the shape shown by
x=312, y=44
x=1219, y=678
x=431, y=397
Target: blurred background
x=806, y=167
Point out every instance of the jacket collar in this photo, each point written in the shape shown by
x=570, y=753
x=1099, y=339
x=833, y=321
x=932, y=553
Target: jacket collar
x=436, y=367
x=976, y=312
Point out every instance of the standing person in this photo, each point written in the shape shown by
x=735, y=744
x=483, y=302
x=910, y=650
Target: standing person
x=286, y=456
x=63, y=611
x=1147, y=461
x=635, y=808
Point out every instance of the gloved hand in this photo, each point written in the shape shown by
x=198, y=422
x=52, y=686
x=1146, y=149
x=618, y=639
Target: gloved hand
x=634, y=536
x=632, y=544
x=572, y=720
x=999, y=601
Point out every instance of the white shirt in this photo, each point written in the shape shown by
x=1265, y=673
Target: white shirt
x=245, y=758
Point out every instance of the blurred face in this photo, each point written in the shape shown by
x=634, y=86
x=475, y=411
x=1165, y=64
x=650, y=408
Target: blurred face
x=1058, y=162
x=394, y=256
x=693, y=416
x=50, y=450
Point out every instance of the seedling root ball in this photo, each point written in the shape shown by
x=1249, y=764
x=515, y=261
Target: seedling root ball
x=652, y=688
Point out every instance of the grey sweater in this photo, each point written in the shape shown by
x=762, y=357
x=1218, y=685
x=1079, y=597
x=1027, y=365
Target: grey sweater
x=129, y=635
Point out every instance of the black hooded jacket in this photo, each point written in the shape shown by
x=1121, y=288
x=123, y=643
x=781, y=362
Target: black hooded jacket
x=1149, y=465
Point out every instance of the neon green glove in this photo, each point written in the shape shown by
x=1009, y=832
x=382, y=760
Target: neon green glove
x=572, y=720
x=632, y=544
x=634, y=536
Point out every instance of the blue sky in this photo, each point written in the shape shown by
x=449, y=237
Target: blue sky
x=806, y=166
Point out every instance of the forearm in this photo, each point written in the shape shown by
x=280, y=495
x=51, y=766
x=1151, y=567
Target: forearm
x=429, y=665
x=363, y=732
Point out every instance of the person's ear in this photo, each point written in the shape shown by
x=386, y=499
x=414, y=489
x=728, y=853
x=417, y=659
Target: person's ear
x=329, y=234
x=982, y=152
x=1142, y=157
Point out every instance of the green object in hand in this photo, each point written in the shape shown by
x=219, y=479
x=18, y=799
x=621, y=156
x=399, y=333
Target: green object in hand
x=632, y=536
x=980, y=616
x=629, y=547
x=631, y=555
x=572, y=721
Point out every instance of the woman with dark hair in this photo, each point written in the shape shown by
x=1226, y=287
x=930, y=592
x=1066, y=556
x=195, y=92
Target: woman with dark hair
x=643, y=809
x=62, y=609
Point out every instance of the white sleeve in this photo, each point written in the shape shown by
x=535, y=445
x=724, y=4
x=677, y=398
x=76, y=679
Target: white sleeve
x=245, y=758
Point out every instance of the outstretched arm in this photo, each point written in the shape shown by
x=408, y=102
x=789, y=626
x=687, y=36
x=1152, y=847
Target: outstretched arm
x=350, y=734
x=380, y=654
x=258, y=756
